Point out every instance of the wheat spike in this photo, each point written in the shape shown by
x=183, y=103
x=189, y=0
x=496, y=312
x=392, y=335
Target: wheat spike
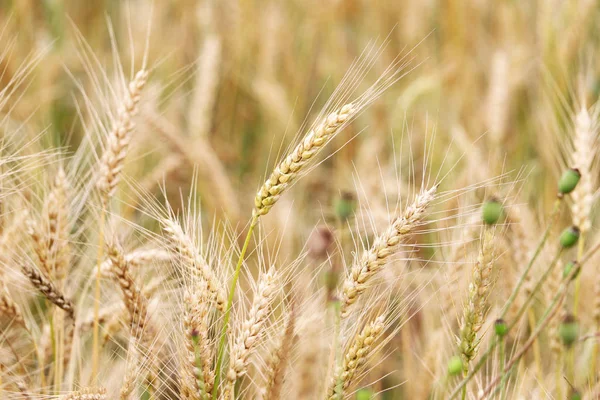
x=184, y=246
x=474, y=313
x=583, y=157
x=9, y=308
x=355, y=357
x=253, y=328
x=279, y=359
x=286, y=172
x=198, y=378
x=87, y=394
x=113, y=158
x=373, y=259
x=49, y=290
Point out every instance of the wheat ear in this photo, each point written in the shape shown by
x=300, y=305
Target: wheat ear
x=253, y=328
x=9, y=308
x=279, y=359
x=476, y=308
x=288, y=170
x=113, y=158
x=49, y=290
x=373, y=259
x=182, y=244
x=585, y=146
x=198, y=377
x=355, y=357
x=87, y=394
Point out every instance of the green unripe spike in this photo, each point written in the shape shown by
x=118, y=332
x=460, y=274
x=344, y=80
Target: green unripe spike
x=568, y=330
x=491, y=211
x=569, y=237
x=500, y=327
x=575, y=395
x=455, y=366
x=568, y=181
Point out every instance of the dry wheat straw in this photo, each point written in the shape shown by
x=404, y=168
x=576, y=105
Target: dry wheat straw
x=279, y=359
x=184, y=246
x=286, y=172
x=49, y=290
x=119, y=138
x=476, y=307
x=87, y=394
x=373, y=259
x=355, y=357
x=253, y=328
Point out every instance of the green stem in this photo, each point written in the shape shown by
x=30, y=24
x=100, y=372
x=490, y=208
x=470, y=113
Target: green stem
x=236, y=277
x=538, y=250
x=502, y=358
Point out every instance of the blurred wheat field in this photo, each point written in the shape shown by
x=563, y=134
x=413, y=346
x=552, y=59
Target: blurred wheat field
x=243, y=199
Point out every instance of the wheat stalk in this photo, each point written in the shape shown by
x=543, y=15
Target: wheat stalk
x=288, y=170
x=373, y=259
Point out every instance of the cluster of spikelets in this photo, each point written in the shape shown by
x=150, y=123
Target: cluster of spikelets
x=98, y=303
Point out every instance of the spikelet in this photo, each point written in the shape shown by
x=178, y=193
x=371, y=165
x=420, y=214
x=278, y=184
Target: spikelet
x=49, y=290
x=253, y=328
x=87, y=394
x=279, y=359
x=113, y=158
x=476, y=307
x=355, y=357
x=373, y=259
x=184, y=246
x=585, y=145
x=288, y=170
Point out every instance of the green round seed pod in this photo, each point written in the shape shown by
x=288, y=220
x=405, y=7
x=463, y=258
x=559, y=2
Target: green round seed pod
x=500, y=327
x=364, y=394
x=491, y=211
x=455, y=366
x=569, y=237
x=569, y=267
x=345, y=206
x=568, y=330
x=569, y=180
x=575, y=395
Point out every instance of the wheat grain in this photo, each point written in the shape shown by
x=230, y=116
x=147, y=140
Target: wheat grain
x=87, y=394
